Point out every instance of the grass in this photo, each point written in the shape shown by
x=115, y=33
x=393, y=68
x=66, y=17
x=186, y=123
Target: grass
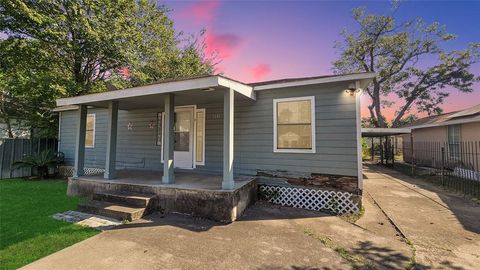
x=352, y=218
x=27, y=232
x=355, y=261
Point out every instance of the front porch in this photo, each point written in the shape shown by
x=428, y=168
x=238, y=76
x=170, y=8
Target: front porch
x=180, y=145
x=197, y=194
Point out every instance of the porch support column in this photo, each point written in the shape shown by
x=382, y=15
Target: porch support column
x=80, y=141
x=168, y=140
x=228, y=105
x=110, y=159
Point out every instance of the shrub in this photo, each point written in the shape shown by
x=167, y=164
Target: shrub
x=41, y=161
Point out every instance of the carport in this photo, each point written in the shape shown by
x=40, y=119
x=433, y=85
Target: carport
x=387, y=142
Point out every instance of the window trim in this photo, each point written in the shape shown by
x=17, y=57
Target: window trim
x=202, y=163
x=275, y=125
x=94, y=130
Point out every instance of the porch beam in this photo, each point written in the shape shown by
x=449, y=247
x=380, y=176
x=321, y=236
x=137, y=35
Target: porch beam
x=80, y=141
x=228, y=106
x=168, y=140
x=112, y=126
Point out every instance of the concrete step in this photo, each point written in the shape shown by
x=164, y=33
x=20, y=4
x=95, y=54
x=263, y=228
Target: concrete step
x=112, y=210
x=125, y=198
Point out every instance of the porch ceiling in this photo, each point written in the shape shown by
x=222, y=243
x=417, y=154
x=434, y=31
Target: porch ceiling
x=190, y=91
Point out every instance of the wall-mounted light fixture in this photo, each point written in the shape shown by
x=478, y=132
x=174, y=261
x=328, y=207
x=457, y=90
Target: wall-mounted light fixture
x=353, y=88
x=210, y=89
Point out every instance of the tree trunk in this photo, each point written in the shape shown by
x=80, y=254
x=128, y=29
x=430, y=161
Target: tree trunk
x=376, y=104
x=9, y=127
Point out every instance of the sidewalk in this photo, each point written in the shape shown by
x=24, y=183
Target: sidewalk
x=444, y=228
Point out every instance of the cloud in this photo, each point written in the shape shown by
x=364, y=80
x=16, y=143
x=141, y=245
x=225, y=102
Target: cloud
x=260, y=71
x=222, y=45
x=202, y=11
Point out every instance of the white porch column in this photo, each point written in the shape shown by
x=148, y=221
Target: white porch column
x=168, y=140
x=80, y=141
x=112, y=125
x=228, y=106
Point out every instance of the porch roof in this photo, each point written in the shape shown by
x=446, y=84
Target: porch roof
x=379, y=132
x=146, y=94
x=201, y=88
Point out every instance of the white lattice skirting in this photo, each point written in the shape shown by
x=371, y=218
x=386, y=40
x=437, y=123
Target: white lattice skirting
x=67, y=171
x=311, y=199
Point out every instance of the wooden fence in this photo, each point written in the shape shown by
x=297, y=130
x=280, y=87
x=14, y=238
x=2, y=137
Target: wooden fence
x=12, y=150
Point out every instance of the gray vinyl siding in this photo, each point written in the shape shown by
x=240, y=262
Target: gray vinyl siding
x=336, y=145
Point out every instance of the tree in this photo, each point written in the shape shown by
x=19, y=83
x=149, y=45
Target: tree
x=68, y=47
x=93, y=40
x=399, y=54
x=29, y=85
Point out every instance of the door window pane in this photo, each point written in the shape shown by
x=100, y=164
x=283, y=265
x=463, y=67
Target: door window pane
x=90, y=131
x=182, y=130
x=182, y=141
x=200, y=136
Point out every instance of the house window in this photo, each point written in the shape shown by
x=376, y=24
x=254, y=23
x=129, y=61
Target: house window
x=294, y=128
x=90, y=131
x=200, y=137
x=454, y=141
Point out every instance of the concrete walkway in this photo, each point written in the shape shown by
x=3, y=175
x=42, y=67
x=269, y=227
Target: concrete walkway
x=443, y=227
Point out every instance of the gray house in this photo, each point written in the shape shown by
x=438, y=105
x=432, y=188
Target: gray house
x=212, y=135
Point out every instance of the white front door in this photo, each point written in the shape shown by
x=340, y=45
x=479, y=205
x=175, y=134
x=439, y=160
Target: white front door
x=184, y=140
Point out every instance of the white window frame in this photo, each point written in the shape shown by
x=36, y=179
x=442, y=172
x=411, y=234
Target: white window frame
x=94, y=130
x=202, y=163
x=312, y=104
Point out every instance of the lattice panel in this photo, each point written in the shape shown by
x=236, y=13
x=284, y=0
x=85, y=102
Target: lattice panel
x=311, y=199
x=67, y=171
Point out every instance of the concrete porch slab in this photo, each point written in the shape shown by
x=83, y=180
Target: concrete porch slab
x=193, y=193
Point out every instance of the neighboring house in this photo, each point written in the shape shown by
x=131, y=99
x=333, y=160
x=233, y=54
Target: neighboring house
x=457, y=132
x=213, y=125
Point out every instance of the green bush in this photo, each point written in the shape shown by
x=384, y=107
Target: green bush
x=41, y=161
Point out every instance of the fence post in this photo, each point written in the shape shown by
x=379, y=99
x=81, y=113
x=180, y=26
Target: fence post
x=443, y=166
x=381, y=150
x=393, y=151
x=373, y=150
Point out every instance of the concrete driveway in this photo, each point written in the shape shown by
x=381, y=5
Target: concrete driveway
x=406, y=225
x=443, y=227
x=267, y=237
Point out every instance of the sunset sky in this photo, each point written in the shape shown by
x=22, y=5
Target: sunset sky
x=265, y=40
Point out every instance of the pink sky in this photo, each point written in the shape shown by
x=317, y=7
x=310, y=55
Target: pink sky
x=258, y=41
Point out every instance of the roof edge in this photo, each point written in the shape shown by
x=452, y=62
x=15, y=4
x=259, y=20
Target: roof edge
x=312, y=80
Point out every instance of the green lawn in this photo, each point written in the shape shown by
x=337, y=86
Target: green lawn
x=27, y=232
